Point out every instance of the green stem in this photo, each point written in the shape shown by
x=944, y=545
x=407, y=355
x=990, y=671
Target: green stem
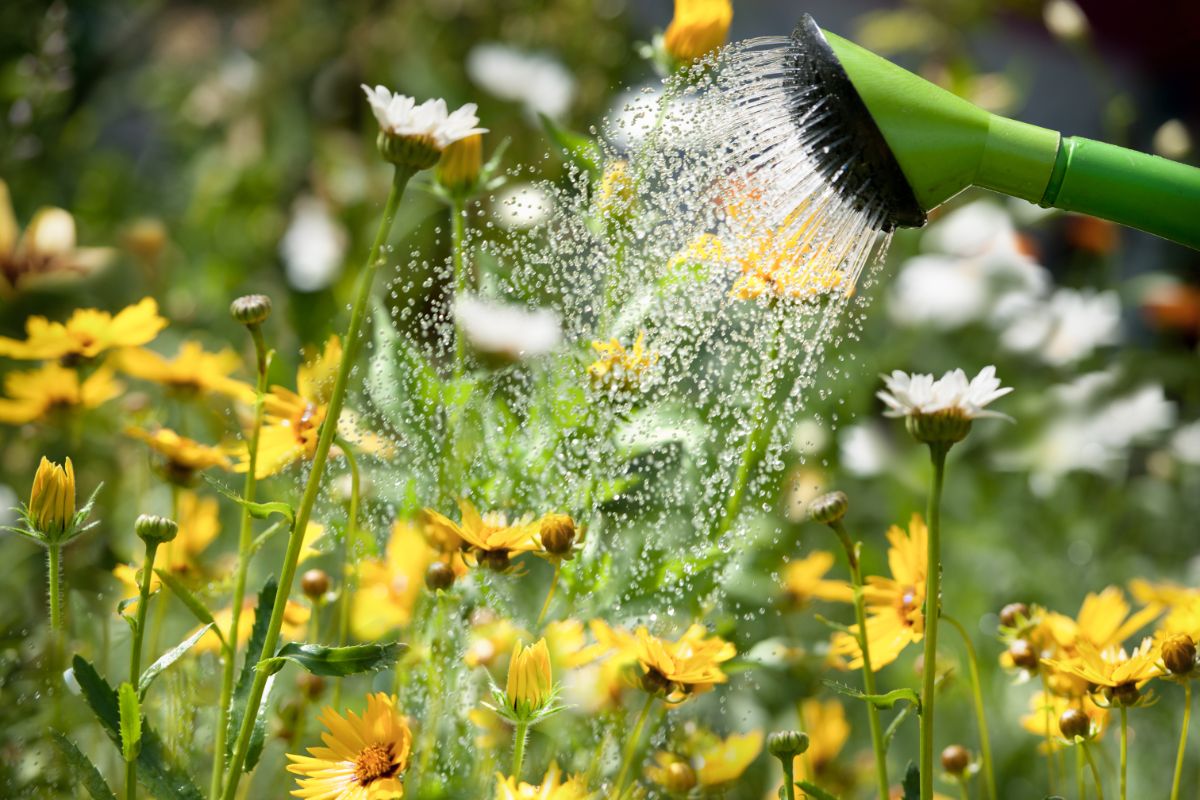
x=54, y=580
x=789, y=777
x=461, y=279
x=160, y=609
x=520, y=735
x=860, y=618
x=245, y=537
x=962, y=787
x=313, y=487
x=135, y=651
x=1124, y=747
x=937, y=452
x=1183, y=735
x=349, y=574
x=1047, y=708
x=1087, y=753
x=549, y=596
x=631, y=749
x=985, y=744
x=1081, y=786
x=434, y=691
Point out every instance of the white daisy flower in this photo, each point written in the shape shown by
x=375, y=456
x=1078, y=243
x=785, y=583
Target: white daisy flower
x=941, y=410
x=507, y=331
x=399, y=115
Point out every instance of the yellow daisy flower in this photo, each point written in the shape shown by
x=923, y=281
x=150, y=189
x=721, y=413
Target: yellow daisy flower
x=193, y=369
x=691, y=665
x=35, y=394
x=698, y=28
x=804, y=580
x=895, y=616
x=488, y=538
x=621, y=368
x=788, y=263
x=182, y=457
x=827, y=729
x=388, y=589
x=1114, y=672
x=1104, y=620
x=46, y=254
x=87, y=333
x=724, y=761
x=364, y=757
x=552, y=787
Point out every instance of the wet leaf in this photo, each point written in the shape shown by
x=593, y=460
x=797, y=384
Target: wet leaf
x=168, y=658
x=335, y=661
x=131, y=721
x=82, y=769
x=254, y=648
x=258, y=736
x=912, y=782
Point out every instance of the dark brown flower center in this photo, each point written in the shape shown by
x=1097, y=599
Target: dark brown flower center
x=374, y=762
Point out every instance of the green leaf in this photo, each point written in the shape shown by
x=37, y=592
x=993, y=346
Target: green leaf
x=912, y=782
x=193, y=603
x=82, y=768
x=258, y=736
x=168, y=658
x=163, y=779
x=257, y=510
x=241, y=691
x=335, y=661
x=576, y=148
x=882, y=701
x=131, y=721
x=814, y=791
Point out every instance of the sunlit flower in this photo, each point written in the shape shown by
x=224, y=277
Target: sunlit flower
x=46, y=254
x=507, y=332
x=827, y=729
x=941, y=410
x=1113, y=669
x=51, y=509
x=364, y=757
x=698, y=28
x=430, y=122
x=388, y=589
x=182, y=457
x=539, y=81
x=552, y=787
x=295, y=623
x=87, y=333
x=804, y=580
x=618, y=367
x=530, y=683
x=193, y=369
x=458, y=170
x=691, y=665
x=788, y=264
x=35, y=394
x=895, y=606
x=489, y=538
x=724, y=761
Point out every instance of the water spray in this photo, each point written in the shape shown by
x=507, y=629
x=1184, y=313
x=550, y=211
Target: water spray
x=905, y=146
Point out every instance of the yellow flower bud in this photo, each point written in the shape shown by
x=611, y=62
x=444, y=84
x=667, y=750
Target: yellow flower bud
x=458, y=169
x=617, y=191
x=698, y=28
x=52, y=501
x=529, y=678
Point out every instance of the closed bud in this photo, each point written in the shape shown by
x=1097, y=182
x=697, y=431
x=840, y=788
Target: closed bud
x=679, y=777
x=251, y=309
x=461, y=161
x=1074, y=722
x=1125, y=694
x=1012, y=614
x=530, y=682
x=1023, y=655
x=956, y=759
x=829, y=508
x=787, y=744
x=495, y=560
x=439, y=575
x=52, y=500
x=558, y=534
x=1179, y=654
x=314, y=583
x=153, y=529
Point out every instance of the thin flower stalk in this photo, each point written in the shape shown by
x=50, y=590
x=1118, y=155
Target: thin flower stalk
x=860, y=618
x=520, y=737
x=1183, y=737
x=1124, y=748
x=631, y=747
x=549, y=596
x=937, y=451
x=135, y=651
x=349, y=573
x=312, y=488
x=1087, y=753
x=985, y=743
x=245, y=537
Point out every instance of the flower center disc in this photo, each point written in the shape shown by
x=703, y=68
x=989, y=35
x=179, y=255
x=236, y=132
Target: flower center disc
x=374, y=762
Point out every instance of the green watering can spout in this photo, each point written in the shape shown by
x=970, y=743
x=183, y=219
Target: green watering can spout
x=942, y=144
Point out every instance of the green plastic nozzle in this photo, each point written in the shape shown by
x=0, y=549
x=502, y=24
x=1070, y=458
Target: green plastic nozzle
x=944, y=144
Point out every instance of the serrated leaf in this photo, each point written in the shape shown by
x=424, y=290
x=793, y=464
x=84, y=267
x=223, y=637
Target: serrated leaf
x=912, y=782
x=258, y=736
x=163, y=779
x=254, y=648
x=335, y=661
x=130, y=712
x=814, y=791
x=168, y=658
x=81, y=767
x=257, y=510
x=577, y=148
x=193, y=603
x=882, y=701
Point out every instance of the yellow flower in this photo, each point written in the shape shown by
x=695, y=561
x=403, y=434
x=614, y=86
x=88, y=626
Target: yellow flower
x=34, y=394
x=1112, y=667
x=804, y=580
x=488, y=537
x=87, y=333
x=52, y=500
x=364, y=757
x=295, y=623
x=724, y=761
x=183, y=456
x=552, y=787
x=489, y=639
x=46, y=254
x=1104, y=620
x=827, y=729
x=788, y=262
x=530, y=682
x=672, y=772
x=618, y=367
x=617, y=191
x=388, y=589
x=1046, y=708
x=698, y=28
x=193, y=369
x=691, y=665
x=461, y=161
x=895, y=618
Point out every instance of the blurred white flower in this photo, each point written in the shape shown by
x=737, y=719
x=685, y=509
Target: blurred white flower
x=809, y=437
x=635, y=112
x=865, y=449
x=941, y=291
x=523, y=206
x=1064, y=329
x=538, y=81
x=8, y=505
x=507, y=330
x=975, y=229
x=1065, y=19
x=399, y=115
x=919, y=395
x=1185, y=444
x=313, y=247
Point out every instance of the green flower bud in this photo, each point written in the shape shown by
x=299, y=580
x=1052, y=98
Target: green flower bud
x=829, y=508
x=153, y=529
x=251, y=309
x=787, y=744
